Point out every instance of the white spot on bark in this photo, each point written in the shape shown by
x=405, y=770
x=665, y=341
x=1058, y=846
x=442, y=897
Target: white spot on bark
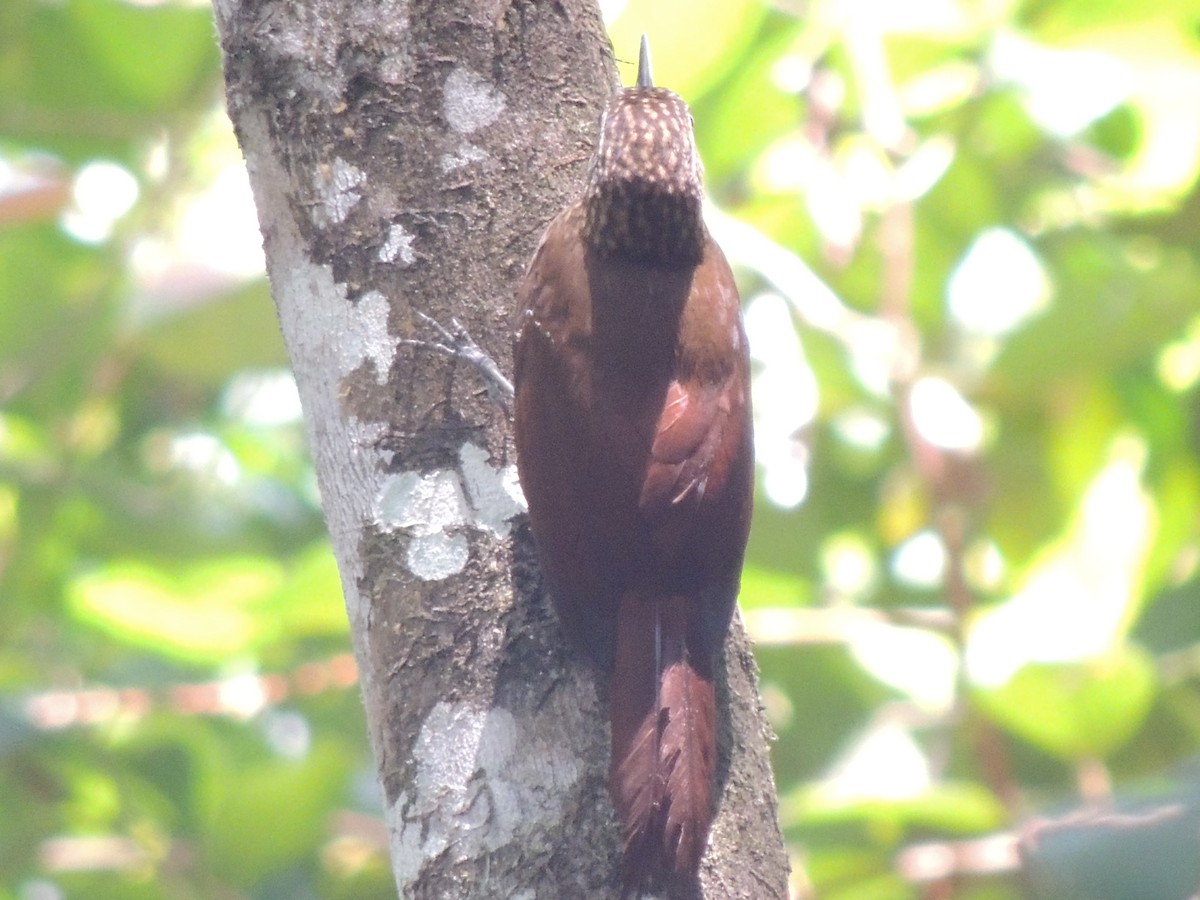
x=432, y=557
x=399, y=243
x=336, y=184
x=428, y=503
x=433, y=505
x=355, y=332
x=495, y=493
x=470, y=101
x=466, y=154
x=481, y=776
x=367, y=336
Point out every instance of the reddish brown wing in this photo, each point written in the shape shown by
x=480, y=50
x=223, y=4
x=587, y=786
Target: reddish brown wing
x=700, y=457
x=687, y=442
x=697, y=485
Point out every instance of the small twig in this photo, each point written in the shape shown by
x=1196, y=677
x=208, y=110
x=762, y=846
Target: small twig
x=460, y=345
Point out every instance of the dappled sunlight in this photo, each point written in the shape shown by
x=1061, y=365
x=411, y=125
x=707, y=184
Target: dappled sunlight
x=1079, y=599
x=102, y=193
x=785, y=399
x=921, y=664
x=204, y=455
x=885, y=762
x=1064, y=90
x=266, y=399
x=1178, y=362
x=997, y=285
x=848, y=566
x=220, y=226
x=210, y=243
x=943, y=416
x=921, y=560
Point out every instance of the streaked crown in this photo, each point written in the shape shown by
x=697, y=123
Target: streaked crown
x=645, y=186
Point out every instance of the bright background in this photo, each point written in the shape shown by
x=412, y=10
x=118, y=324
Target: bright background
x=966, y=234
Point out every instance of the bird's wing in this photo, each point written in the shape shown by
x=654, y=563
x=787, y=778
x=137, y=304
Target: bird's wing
x=691, y=450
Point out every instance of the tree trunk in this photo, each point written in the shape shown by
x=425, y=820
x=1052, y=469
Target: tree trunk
x=405, y=157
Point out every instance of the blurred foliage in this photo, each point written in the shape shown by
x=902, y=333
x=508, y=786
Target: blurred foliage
x=967, y=238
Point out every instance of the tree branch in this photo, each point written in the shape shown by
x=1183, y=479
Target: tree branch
x=405, y=158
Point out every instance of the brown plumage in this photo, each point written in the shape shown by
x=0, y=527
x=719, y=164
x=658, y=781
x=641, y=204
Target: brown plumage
x=634, y=451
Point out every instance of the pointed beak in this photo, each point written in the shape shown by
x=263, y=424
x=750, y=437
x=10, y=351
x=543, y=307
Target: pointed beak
x=645, y=77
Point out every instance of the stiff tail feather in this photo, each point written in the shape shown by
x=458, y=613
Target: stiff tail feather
x=663, y=739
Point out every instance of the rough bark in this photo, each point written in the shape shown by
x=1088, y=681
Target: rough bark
x=405, y=157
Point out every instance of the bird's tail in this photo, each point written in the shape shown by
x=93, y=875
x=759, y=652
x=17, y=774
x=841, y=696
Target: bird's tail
x=663, y=713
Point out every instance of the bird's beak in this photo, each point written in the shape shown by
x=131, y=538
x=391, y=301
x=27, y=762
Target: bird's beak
x=645, y=76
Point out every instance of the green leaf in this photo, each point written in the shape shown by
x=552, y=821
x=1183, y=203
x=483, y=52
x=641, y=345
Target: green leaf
x=223, y=335
x=956, y=807
x=1119, y=133
x=273, y=814
x=154, y=55
x=880, y=887
x=736, y=123
x=214, y=609
x=1067, y=19
x=1076, y=710
x=83, y=78
x=1106, y=313
x=766, y=588
x=311, y=598
x=208, y=612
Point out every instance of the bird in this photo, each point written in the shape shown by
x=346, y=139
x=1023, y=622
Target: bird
x=635, y=454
